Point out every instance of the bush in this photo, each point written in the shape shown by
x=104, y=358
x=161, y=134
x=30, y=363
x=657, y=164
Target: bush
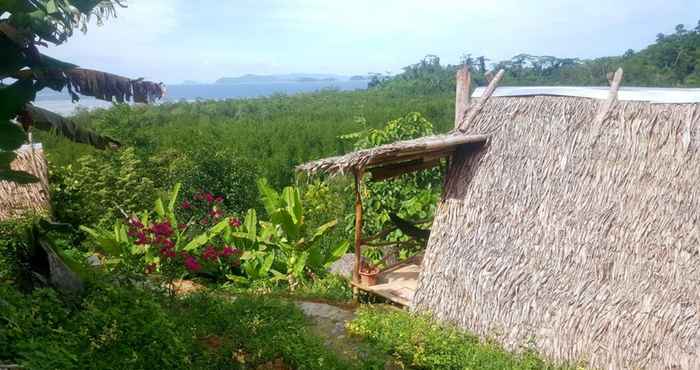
x=99, y=187
x=417, y=342
x=131, y=328
x=14, y=245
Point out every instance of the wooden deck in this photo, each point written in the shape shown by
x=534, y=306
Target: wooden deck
x=397, y=283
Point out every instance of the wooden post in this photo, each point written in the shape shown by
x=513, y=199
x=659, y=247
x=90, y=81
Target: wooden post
x=462, y=94
x=612, y=96
x=358, y=225
x=482, y=101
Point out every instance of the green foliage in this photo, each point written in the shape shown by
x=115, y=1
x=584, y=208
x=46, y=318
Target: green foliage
x=115, y=327
x=418, y=342
x=15, y=243
x=411, y=196
x=99, y=187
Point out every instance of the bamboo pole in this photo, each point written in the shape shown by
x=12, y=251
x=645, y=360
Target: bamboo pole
x=612, y=96
x=358, y=225
x=462, y=94
x=482, y=101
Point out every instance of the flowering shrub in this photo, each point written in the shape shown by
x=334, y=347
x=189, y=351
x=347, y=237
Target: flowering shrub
x=217, y=246
x=155, y=242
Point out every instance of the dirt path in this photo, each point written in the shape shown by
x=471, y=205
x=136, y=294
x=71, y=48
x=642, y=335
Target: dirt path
x=329, y=324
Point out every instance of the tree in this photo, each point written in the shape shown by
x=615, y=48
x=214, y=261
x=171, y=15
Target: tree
x=26, y=24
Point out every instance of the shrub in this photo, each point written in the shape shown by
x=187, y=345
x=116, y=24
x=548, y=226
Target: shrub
x=418, y=342
x=99, y=187
x=128, y=327
x=14, y=243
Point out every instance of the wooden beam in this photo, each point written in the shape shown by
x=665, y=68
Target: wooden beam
x=358, y=225
x=462, y=94
x=445, y=143
x=395, y=170
x=612, y=97
x=475, y=110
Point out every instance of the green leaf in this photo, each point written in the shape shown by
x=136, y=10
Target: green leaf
x=202, y=239
x=322, y=230
x=299, y=264
x=282, y=218
x=160, y=210
x=337, y=252
x=251, y=224
x=173, y=197
x=293, y=203
x=14, y=98
x=49, y=121
x=11, y=136
x=267, y=264
x=271, y=199
x=6, y=159
x=19, y=177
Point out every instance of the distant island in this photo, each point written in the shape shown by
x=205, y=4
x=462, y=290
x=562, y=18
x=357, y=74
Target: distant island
x=359, y=78
x=191, y=82
x=293, y=77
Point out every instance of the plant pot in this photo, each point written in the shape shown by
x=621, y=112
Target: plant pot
x=369, y=278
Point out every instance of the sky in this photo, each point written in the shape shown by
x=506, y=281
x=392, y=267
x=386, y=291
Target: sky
x=176, y=40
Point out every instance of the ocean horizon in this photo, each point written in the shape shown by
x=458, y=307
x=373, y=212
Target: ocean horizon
x=61, y=103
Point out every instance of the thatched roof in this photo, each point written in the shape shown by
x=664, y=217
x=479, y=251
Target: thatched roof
x=425, y=149
x=17, y=199
x=574, y=235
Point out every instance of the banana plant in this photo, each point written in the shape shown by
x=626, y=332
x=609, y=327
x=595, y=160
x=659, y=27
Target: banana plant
x=287, y=233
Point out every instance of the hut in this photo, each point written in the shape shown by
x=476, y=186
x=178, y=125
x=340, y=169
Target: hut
x=569, y=222
x=19, y=198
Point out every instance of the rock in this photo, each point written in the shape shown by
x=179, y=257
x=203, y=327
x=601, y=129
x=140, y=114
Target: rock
x=60, y=275
x=344, y=266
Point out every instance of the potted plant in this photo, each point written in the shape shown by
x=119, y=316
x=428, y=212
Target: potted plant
x=368, y=273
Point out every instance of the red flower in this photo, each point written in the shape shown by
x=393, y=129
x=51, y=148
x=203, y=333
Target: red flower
x=162, y=229
x=234, y=222
x=216, y=213
x=209, y=197
x=192, y=264
x=141, y=238
x=135, y=223
x=168, y=252
x=219, y=199
x=229, y=251
x=167, y=243
x=186, y=205
x=182, y=226
x=210, y=254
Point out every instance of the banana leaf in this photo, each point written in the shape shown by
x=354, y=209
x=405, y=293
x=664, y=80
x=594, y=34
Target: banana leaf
x=50, y=121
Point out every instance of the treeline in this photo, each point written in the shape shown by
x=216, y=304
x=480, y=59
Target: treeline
x=671, y=61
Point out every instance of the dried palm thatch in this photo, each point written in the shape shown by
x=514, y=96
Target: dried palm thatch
x=576, y=234
x=107, y=86
x=426, y=148
x=17, y=198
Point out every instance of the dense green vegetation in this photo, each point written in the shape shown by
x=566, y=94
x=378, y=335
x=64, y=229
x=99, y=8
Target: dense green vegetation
x=206, y=191
x=418, y=342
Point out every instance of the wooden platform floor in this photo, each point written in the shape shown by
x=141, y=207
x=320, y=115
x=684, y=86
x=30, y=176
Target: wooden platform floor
x=397, y=284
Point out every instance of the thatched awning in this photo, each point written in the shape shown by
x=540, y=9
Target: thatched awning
x=396, y=158
x=17, y=199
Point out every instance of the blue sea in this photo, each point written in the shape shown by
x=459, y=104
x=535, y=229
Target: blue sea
x=60, y=102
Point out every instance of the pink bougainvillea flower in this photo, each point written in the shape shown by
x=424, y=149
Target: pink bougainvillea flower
x=216, y=213
x=229, y=251
x=186, y=205
x=135, y=223
x=234, y=222
x=162, y=229
x=141, y=238
x=219, y=199
x=209, y=197
x=210, y=254
x=150, y=268
x=192, y=264
x=168, y=252
x=167, y=243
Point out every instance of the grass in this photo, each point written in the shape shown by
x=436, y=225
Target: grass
x=418, y=342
